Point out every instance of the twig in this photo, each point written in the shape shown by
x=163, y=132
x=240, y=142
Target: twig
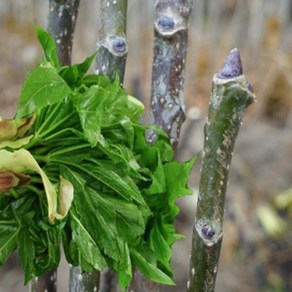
x=61, y=24
x=231, y=95
x=112, y=46
x=170, y=47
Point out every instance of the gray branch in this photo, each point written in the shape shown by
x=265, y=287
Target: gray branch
x=170, y=48
x=61, y=24
x=167, y=105
x=112, y=46
x=231, y=95
x=83, y=282
x=139, y=283
x=46, y=282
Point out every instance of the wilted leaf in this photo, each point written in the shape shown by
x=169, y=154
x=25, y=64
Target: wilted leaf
x=21, y=161
x=65, y=196
x=8, y=130
x=15, y=144
x=7, y=181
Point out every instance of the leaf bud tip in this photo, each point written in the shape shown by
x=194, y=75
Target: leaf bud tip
x=232, y=67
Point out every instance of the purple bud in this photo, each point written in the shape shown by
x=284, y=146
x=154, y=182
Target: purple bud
x=232, y=66
x=119, y=45
x=166, y=22
x=208, y=232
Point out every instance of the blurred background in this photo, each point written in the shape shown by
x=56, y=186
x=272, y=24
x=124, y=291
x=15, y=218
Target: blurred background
x=257, y=244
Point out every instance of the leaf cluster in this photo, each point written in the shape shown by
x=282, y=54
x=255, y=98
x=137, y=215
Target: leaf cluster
x=77, y=172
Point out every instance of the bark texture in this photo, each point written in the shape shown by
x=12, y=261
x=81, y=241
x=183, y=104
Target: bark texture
x=46, y=282
x=170, y=48
x=61, y=24
x=83, y=282
x=112, y=46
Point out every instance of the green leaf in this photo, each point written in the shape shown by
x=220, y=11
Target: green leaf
x=124, y=268
x=90, y=114
x=129, y=220
x=149, y=269
x=104, y=105
x=43, y=87
x=110, y=222
x=149, y=153
x=85, y=244
x=97, y=218
x=120, y=154
x=26, y=252
x=89, y=80
x=46, y=239
x=9, y=231
x=74, y=73
x=177, y=176
x=117, y=183
x=160, y=247
x=169, y=182
x=57, y=120
x=158, y=185
x=49, y=47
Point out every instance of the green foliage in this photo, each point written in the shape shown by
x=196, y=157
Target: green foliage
x=83, y=176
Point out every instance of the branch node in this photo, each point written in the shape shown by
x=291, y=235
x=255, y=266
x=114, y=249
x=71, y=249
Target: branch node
x=151, y=136
x=210, y=232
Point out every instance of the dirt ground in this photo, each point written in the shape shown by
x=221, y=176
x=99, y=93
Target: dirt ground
x=251, y=259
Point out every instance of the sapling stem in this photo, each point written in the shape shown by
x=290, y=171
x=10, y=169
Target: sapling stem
x=61, y=24
x=231, y=95
x=170, y=48
x=112, y=45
